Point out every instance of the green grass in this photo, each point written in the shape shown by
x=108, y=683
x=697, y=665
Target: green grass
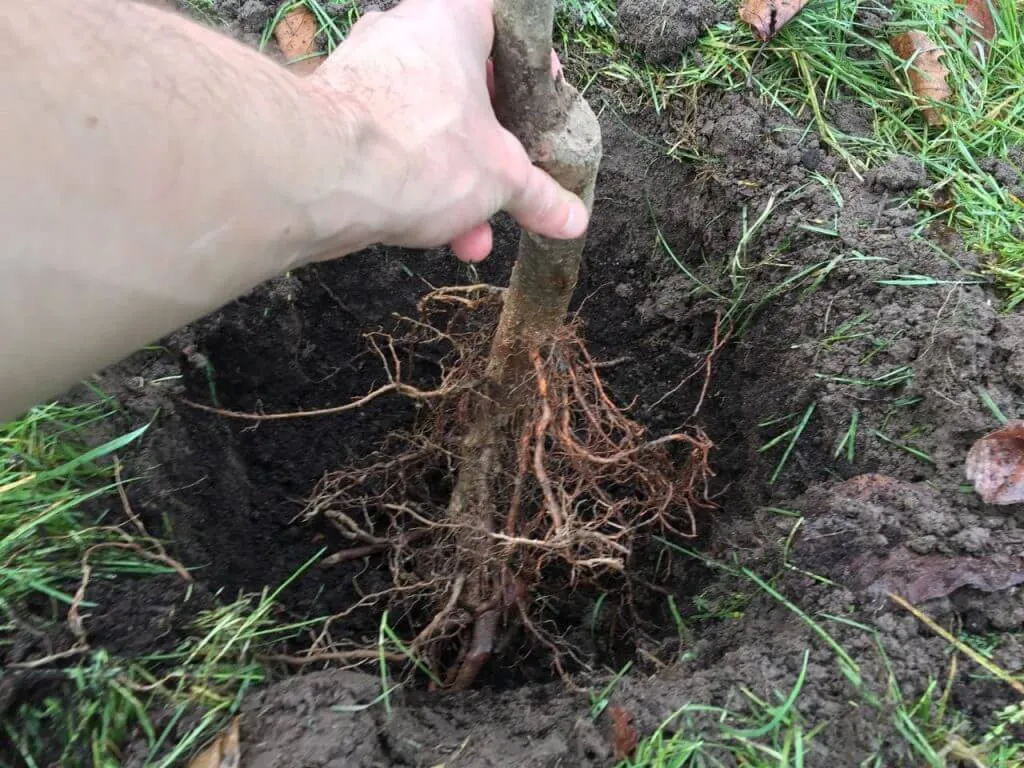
x=776, y=733
x=46, y=476
x=52, y=488
x=788, y=438
x=823, y=57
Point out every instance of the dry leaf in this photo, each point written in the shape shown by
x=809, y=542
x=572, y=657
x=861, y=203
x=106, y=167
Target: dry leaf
x=926, y=577
x=995, y=464
x=927, y=73
x=980, y=13
x=223, y=752
x=767, y=17
x=296, y=37
x=624, y=735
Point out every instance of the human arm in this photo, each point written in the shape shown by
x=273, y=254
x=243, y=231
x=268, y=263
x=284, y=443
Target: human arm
x=155, y=170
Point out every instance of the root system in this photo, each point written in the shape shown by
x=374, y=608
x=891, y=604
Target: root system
x=569, y=497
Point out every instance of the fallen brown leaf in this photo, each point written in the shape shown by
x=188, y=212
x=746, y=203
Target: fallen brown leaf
x=296, y=37
x=927, y=73
x=223, y=752
x=624, y=735
x=926, y=577
x=979, y=12
x=767, y=17
x=995, y=464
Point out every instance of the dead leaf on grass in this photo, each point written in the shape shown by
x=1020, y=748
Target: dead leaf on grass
x=296, y=37
x=995, y=464
x=927, y=73
x=767, y=17
x=223, y=752
x=979, y=12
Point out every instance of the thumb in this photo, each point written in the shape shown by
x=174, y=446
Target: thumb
x=543, y=206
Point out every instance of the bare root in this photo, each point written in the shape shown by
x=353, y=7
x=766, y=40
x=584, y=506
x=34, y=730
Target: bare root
x=571, y=486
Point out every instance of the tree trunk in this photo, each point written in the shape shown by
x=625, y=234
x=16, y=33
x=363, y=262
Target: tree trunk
x=562, y=136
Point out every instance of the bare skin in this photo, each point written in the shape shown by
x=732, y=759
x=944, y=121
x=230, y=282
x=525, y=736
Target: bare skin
x=155, y=170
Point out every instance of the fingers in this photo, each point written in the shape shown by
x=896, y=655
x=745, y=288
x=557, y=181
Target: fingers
x=475, y=245
x=538, y=202
x=545, y=208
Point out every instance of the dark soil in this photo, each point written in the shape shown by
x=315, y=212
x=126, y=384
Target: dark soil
x=910, y=361
x=662, y=29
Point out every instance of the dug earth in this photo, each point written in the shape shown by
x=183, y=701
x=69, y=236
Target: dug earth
x=875, y=387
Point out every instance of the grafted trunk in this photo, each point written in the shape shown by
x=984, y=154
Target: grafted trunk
x=562, y=136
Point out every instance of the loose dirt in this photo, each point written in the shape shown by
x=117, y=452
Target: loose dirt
x=805, y=261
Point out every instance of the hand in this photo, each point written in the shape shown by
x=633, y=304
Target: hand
x=436, y=163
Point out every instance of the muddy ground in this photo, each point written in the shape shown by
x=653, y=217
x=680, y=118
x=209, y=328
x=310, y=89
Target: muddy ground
x=813, y=322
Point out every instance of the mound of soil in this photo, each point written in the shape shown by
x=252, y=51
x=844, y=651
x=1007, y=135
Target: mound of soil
x=772, y=238
x=661, y=30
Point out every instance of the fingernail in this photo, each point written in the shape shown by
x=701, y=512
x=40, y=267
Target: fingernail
x=575, y=221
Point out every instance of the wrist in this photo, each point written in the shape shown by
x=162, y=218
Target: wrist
x=342, y=202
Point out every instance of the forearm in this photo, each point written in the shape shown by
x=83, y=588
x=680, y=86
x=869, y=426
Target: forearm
x=154, y=171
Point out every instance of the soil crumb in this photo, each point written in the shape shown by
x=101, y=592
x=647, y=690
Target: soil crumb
x=662, y=29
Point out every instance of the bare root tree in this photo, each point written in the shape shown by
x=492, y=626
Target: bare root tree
x=562, y=136
x=552, y=483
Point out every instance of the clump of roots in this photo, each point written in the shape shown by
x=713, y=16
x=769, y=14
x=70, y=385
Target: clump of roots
x=575, y=487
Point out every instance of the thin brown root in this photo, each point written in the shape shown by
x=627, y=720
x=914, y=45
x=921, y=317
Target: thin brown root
x=75, y=650
x=432, y=629
x=403, y=389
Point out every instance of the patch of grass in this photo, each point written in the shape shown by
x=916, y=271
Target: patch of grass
x=771, y=735
x=90, y=703
x=827, y=55
x=107, y=701
x=202, y=10
x=47, y=474
x=927, y=731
